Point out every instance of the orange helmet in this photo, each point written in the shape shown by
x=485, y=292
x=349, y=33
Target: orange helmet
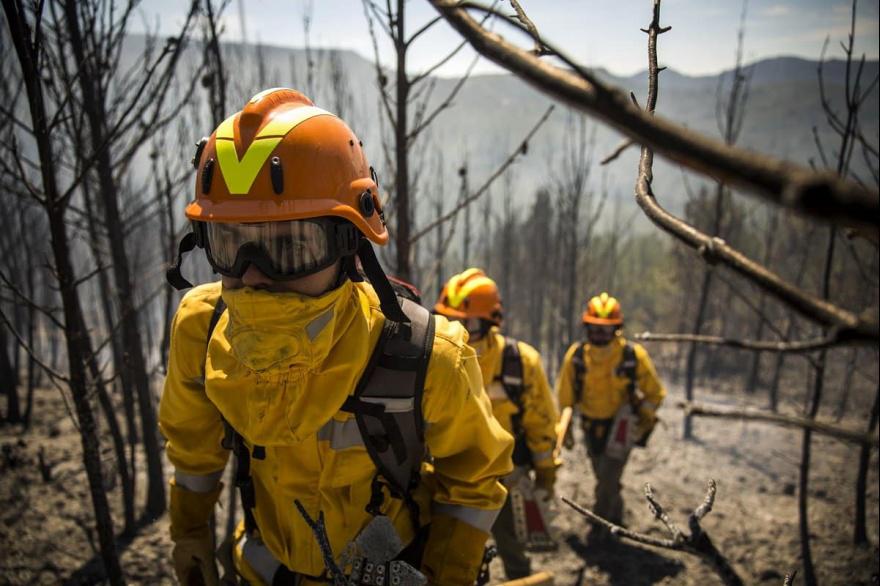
x=603, y=310
x=470, y=294
x=281, y=158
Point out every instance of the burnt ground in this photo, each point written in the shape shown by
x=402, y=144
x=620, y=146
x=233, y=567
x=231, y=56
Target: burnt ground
x=46, y=535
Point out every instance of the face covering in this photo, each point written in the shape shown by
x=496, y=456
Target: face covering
x=267, y=329
x=292, y=361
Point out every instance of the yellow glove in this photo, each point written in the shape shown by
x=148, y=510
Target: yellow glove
x=453, y=553
x=193, y=538
x=647, y=420
x=545, y=479
x=563, y=426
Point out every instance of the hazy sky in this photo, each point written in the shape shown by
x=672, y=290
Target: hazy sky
x=600, y=33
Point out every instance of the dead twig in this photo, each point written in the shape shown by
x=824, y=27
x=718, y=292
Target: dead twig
x=618, y=151
x=522, y=149
x=696, y=542
x=540, y=49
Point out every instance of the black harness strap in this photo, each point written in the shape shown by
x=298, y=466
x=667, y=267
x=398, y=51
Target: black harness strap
x=387, y=405
x=580, y=371
x=511, y=378
x=627, y=370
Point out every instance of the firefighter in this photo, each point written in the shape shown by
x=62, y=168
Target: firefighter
x=329, y=390
x=521, y=398
x=603, y=379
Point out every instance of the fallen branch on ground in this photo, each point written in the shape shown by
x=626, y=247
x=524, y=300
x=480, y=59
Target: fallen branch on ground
x=835, y=431
x=695, y=542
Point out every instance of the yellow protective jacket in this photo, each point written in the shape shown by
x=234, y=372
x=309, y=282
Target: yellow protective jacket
x=539, y=416
x=278, y=367
x=603, y=388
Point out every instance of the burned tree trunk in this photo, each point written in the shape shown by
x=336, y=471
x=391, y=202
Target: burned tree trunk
x=9, y=380
x=691, y=368
x=806, y=447
x=133, y=357
x=28, y=53
x=401, y=153
x=860, y=533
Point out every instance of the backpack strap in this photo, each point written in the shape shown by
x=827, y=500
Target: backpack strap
x=580, y=371
x=387, y=404
x=627, y=370
x=511, y=378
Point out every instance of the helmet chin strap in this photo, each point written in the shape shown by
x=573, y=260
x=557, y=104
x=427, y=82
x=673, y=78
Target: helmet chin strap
x=173, y=275
x=387, y=298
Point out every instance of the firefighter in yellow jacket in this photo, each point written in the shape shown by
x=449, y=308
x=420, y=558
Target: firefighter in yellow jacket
x=521, y=398
x=602, y=378
x=330, y=391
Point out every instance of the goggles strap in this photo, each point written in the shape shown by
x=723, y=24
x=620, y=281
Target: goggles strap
x=172, y=275
x=387, y=299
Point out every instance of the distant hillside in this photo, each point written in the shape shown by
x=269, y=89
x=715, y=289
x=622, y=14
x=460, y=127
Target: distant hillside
x=493, y=112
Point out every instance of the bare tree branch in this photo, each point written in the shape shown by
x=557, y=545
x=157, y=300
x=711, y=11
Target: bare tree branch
x=540, y=49
x=835, y=338
x=520, y=150
x=835, y=431
x=446, y=103
x=822, y=195
x=55, y=376
x=617, y=151
x=427, y=26
x=697, y=542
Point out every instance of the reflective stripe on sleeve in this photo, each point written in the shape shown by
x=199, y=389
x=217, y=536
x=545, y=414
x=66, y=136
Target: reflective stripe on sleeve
x=482, y=519
x=197, y=482
x=259, y=558
x=341, y=434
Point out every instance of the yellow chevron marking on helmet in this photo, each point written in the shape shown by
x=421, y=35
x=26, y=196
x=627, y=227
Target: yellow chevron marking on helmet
x=603, y=304
x=240, y=174
x=456, y=295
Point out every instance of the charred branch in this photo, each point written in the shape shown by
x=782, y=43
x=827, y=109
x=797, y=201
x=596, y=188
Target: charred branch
x=835, y=338
x=522, y=149
x=831, y=430
x=695, y=541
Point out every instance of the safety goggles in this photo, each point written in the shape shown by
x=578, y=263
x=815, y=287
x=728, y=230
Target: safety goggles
x=282, y=250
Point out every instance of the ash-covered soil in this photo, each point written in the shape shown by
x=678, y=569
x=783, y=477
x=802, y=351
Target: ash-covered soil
x=46, y=534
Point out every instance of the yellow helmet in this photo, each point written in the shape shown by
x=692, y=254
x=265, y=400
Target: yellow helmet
x=603, y=310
